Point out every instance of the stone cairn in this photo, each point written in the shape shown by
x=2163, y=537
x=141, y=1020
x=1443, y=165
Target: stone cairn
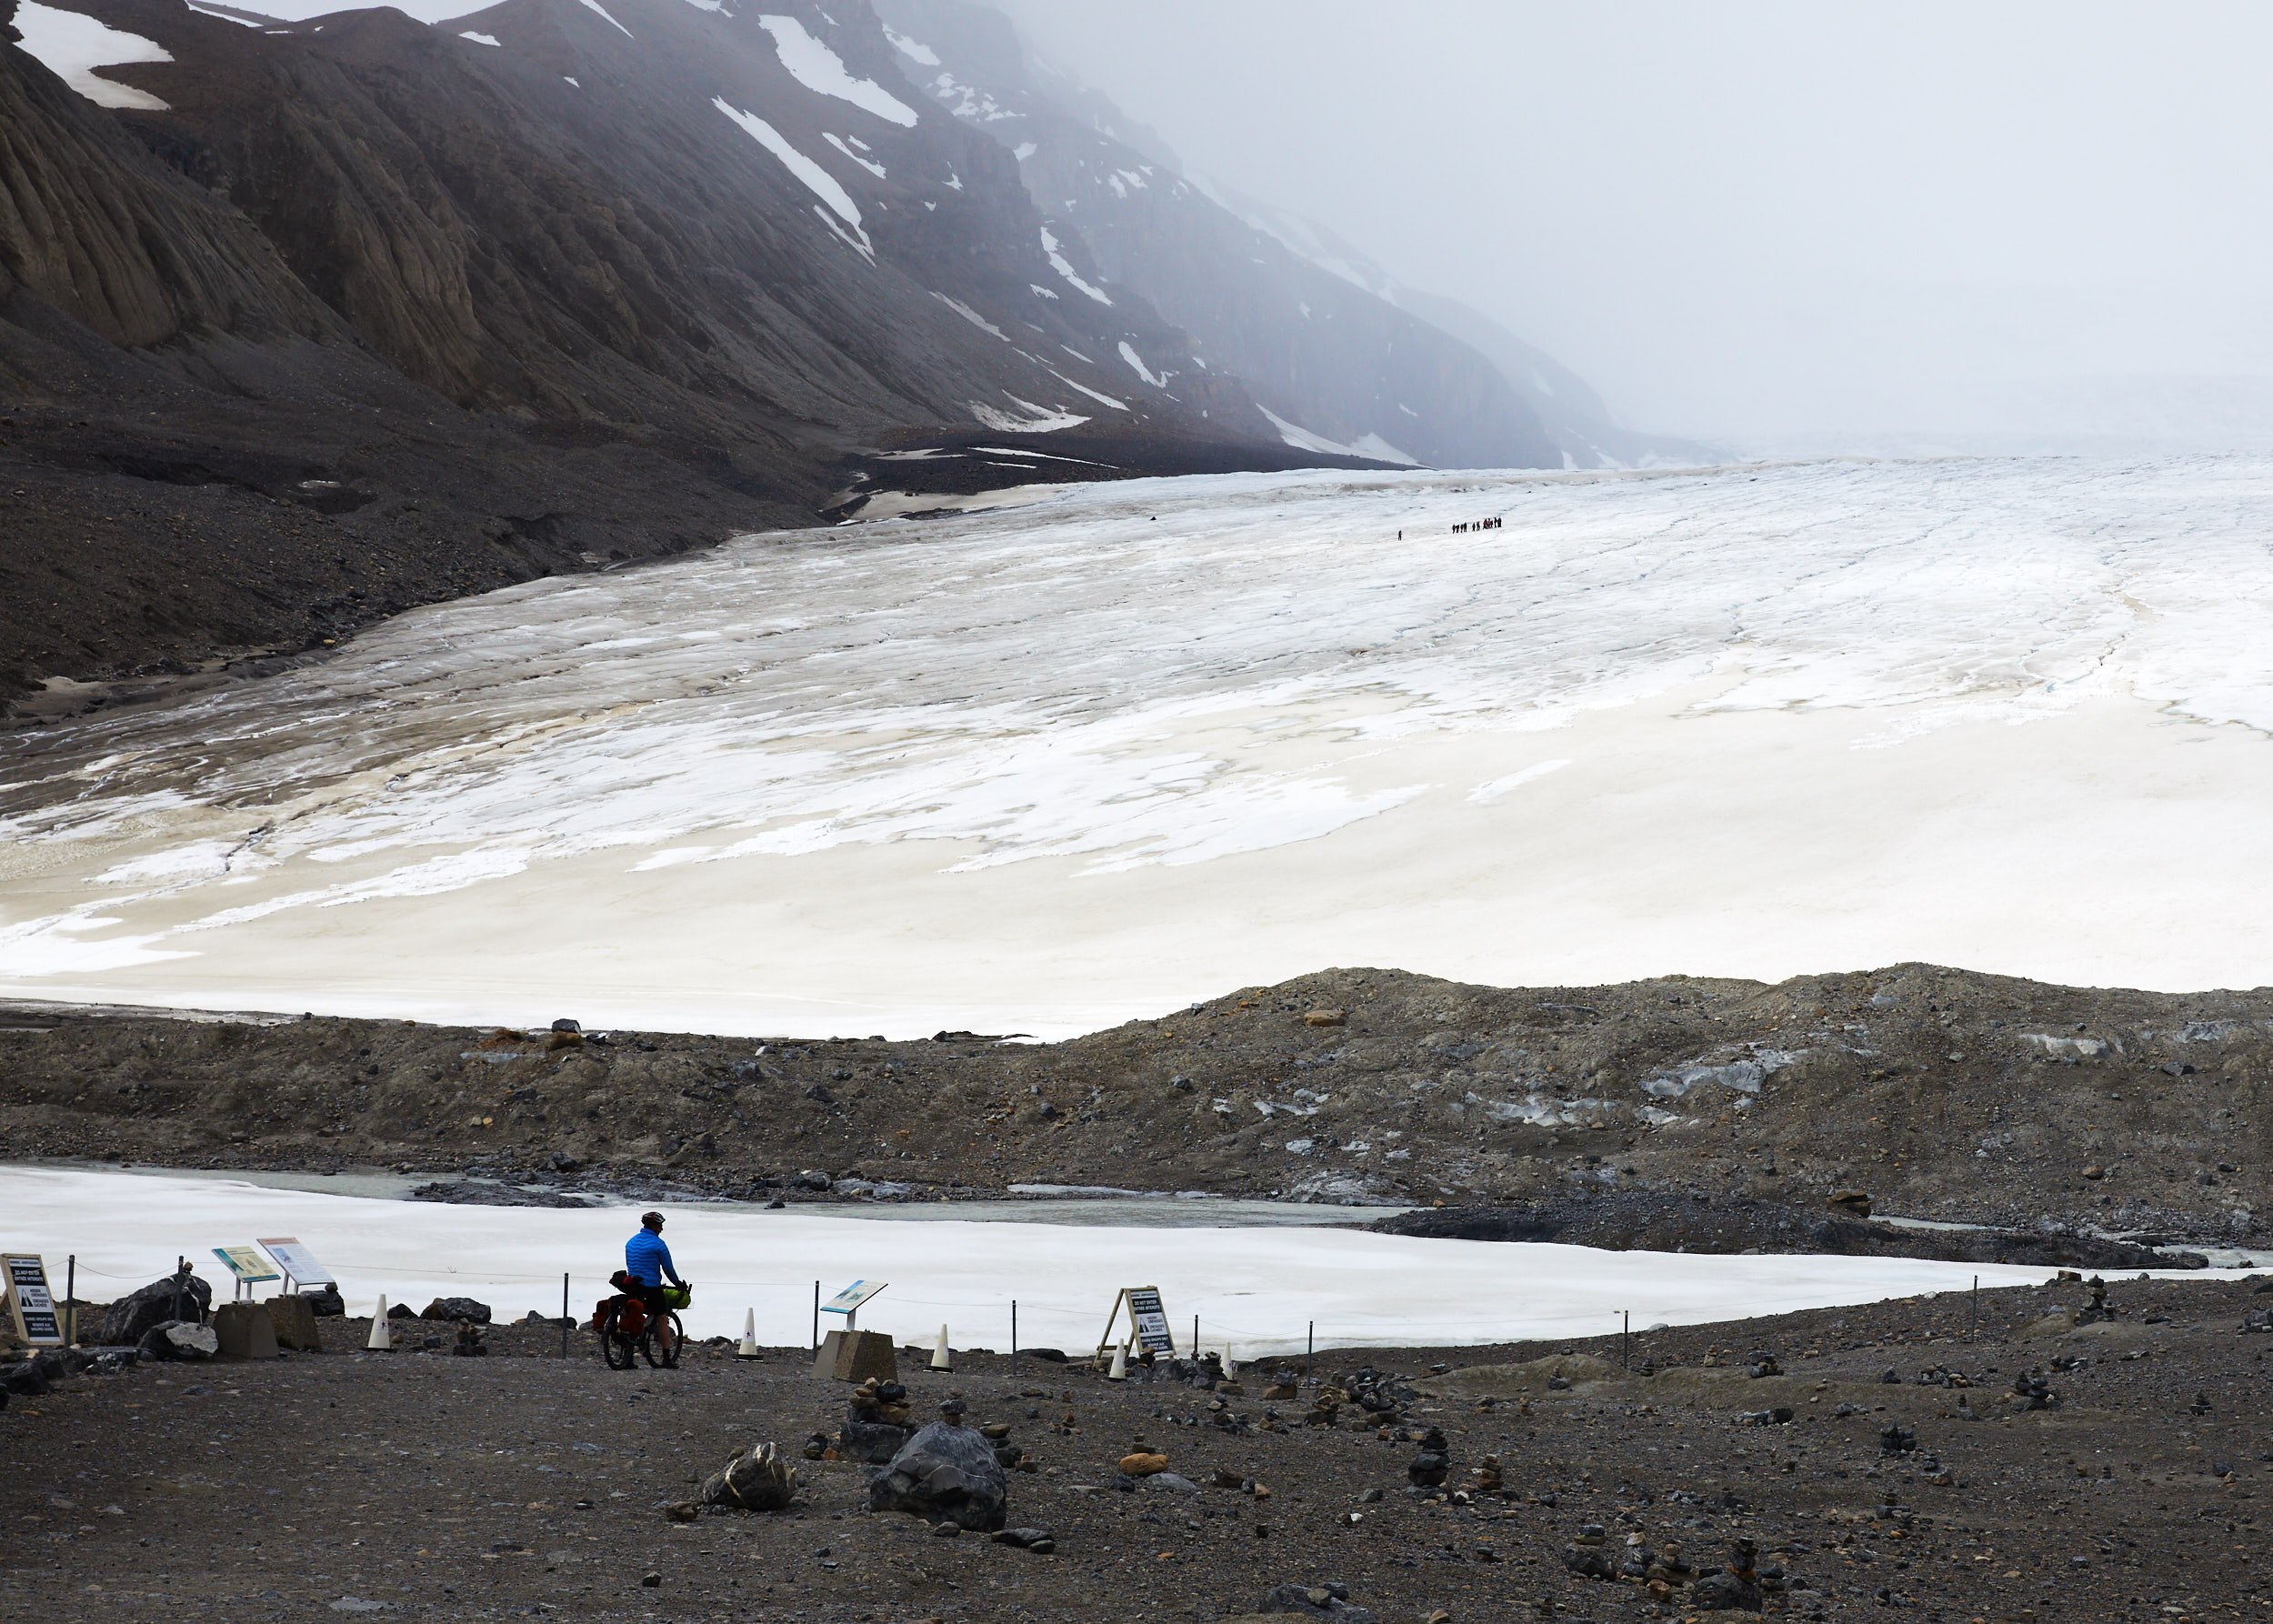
x=1668, y=1578
x=877, y=1423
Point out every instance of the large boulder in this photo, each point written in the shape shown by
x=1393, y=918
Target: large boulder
x=945, y=1474
x=126, y=1321
x=456, y=1307
x=180, y=1339
x=25, y=1380
x=1726, y=1592
x=755, y=1479
x=875, y=1442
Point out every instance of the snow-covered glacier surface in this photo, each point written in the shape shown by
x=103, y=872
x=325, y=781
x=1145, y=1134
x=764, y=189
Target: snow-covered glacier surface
x=1043, y=768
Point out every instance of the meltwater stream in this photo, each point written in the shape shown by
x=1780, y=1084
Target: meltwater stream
x=1045, y=768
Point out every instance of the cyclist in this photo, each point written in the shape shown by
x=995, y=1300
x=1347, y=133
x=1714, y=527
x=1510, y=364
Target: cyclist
x=647, y=1260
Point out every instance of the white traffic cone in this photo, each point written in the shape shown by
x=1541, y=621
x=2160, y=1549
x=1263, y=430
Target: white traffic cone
x=382, y=1337
x=748, y=1350
x=1119, y=1372
x=943, y=1357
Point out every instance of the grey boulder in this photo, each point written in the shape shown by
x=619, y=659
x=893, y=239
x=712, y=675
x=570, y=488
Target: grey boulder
x=126, y=1321
x=755, y=1479
x=180, y=1339
x=456, y=1307
x=1314, y=1601
x=945, y=1474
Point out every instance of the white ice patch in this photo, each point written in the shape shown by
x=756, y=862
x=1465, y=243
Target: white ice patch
x=1137, y=365
x=1258, y=1289
x=971, y=315
x=207, y=10
x=1739, y=1077
x=479, y=39
x=819, y=181
x=820, y=70
x=1064, y=267
x=870, y=165
x=595, y=5
x=1038, y=419
x=1098, y=396
x=914, y=50
x=1486, y=793
x=1048, y=293
x=1025, y=150
x=72, y=46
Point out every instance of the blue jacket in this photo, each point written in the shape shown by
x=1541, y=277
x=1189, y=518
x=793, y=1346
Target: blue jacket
x=647, y=1259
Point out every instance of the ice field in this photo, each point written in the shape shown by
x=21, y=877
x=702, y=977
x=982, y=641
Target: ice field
x=1256, y=1290
x=1045, y=769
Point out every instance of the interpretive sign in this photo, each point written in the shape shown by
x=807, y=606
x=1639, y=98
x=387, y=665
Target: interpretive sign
x=1147, y=1321
x=847, y=1302
x=248, y=1266
x=299, y=1264
x=31, y=1308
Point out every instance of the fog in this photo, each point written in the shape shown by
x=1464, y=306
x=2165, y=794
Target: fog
x=1769, y=222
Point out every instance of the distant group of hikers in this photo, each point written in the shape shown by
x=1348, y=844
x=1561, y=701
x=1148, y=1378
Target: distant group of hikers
x=1479, y=525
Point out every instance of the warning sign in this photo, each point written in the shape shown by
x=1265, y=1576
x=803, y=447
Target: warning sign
x=31, y=1307
x=1149, y=1321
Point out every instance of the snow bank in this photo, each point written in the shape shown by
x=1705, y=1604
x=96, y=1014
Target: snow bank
x=72, y=46
x=1254, y=1289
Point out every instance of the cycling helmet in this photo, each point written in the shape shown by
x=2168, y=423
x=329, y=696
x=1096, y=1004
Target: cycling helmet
x=651, y=1220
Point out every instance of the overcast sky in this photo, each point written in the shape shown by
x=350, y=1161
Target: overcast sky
x=1762, y=215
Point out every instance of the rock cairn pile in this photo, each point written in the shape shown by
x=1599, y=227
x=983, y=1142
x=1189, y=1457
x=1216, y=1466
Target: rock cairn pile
x=1740, y=1585
x=877, y=1423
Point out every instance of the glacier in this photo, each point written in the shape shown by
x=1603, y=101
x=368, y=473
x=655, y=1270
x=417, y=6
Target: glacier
x=1050, y=767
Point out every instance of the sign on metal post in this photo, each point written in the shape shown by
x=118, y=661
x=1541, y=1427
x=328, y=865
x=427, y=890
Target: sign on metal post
x=299, y=1264
x=31, y=1307
x=847, y=1302
x=1147, y=1321
x=247, y=1266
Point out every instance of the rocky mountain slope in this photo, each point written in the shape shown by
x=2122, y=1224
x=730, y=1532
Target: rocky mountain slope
x=1332, y=345
x=1943, y=1095
x=303, y=322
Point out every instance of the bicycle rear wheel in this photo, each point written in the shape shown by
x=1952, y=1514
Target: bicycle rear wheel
x=615, y=1347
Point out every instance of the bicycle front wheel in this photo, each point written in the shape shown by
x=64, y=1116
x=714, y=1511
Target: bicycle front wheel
x=660, y=1344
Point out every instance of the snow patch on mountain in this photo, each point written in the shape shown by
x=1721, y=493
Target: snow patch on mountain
x=479, y=39
x=72, y=46
x=969, y=314
x=1129, y=354
x=820, y=70
x=1039, y=419
x=595, y=5
x=914, y=50
x=819, y=181
x=1369, y=445
x=1064, y=267
x=870, y=165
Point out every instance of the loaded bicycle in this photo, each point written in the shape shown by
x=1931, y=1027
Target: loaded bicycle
x=630, y=1331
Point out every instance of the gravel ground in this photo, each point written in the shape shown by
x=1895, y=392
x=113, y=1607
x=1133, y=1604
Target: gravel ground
x=419, y=1485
